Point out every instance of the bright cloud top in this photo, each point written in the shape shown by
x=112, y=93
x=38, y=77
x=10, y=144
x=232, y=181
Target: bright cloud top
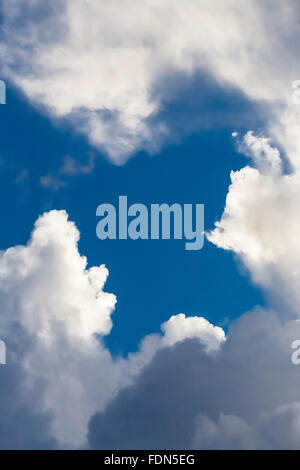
x=54, y=313
x=260, y=221
x=77, y=303
x=106, y=76
x=179, y=328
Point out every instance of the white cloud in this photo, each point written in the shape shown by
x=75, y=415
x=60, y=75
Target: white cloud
x=101, y=75
x=59, y=305
x=246, y=395
x=99, y=63
x=52, y=309
x=179, y=327
x=54, y=313
x=261, y=224
x=56, y=289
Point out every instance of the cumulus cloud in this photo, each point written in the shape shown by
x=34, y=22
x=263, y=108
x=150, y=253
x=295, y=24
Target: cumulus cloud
x=23, y=425
x=54, y=313
x=260, y=222
x=78, y=61
x=178, y=328
x=54, y=306
x=186, y=388
x=244, y=396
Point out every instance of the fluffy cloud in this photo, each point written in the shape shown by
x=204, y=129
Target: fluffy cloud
x=186, y=388
x=244, y=396
x=54, y=313
x=178, y=328
x=53, y=307
x=107, y=76
x=260, y=222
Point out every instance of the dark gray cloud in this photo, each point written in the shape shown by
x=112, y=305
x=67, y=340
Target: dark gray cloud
x=182, y=396
x=22, y=424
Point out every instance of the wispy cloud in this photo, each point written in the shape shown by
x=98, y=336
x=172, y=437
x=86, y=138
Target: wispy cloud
x=70, y=168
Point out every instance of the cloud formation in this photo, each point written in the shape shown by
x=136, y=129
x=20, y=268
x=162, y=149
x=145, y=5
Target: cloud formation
x=189, y=387
x=260, y=222
x=244, y=396
x=186, y=388
x=107, y=77
x=54, y=314
x=179, y=327
x=53, y=307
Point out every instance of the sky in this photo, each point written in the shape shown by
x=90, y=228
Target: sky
x=152, y=345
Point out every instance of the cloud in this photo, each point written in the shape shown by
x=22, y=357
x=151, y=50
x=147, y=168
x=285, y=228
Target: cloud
x=70, y=168
x=273, y=431
x=229, y=432
x=186, y=388
x=23, y=425
x=54, y=306
x=52, y=182
x=54, y=314
x=178, y=328
x=260, y=222
x=108, y=78
x=244, y=396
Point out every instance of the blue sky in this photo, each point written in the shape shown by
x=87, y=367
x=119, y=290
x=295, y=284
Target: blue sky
x=163, y=102
x=170, y=279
